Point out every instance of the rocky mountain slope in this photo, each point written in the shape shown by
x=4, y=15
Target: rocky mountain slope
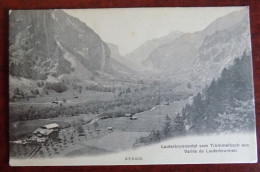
x=51, y=50
x=51, y=43
x=201, y=56
x=142, y=53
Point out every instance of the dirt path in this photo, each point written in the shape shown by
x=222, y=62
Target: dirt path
x=34, y=151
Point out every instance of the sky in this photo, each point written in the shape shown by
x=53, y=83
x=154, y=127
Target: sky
x=129, y=28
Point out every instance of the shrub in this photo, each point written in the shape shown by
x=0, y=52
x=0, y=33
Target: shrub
x=57, y=86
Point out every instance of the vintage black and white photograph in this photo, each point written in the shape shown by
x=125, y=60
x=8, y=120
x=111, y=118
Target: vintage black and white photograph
x=131, y=86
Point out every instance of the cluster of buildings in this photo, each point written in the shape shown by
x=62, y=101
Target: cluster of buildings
x=46, y=132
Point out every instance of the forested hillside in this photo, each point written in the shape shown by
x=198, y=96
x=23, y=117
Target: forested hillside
x=227, y=104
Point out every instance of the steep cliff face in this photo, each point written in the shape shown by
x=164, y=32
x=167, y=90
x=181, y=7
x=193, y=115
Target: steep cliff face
x=118, y=62
x=220, y=49
x=201, y=56
x=50, y=42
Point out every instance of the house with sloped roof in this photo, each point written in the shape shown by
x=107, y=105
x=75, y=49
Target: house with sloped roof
x=46, y=132
x=128, y=115
x=51, y=126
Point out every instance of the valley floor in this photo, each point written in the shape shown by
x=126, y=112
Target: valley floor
x=96, y=141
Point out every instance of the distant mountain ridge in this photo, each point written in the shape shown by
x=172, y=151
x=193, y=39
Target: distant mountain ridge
x=142, y=53
x=201, y=56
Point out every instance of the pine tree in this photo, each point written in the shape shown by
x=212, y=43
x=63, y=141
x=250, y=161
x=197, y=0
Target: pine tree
x=167, y=127
x=80, y=129
x=178, y=127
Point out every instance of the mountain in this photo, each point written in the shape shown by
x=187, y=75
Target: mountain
x=52, y=43
x=119, y=63
x=220, y=49
x=50, y=50
x=115, y=54
x=226, y=105
x=201, y=56
x=142, y=53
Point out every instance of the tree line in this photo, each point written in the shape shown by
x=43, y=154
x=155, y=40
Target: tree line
x=226, y=105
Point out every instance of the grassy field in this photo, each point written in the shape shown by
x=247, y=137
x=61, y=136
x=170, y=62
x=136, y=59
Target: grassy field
x=112, y=142
x=70, y=143
x=19, y=129
x=21, y=151
x=146, y=121
x=126, y=131
x=87, y=151
x=95, y=142
x=69, y=95
x=76, y=119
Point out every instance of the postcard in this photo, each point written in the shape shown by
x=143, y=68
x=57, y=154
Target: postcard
x=128, y=86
